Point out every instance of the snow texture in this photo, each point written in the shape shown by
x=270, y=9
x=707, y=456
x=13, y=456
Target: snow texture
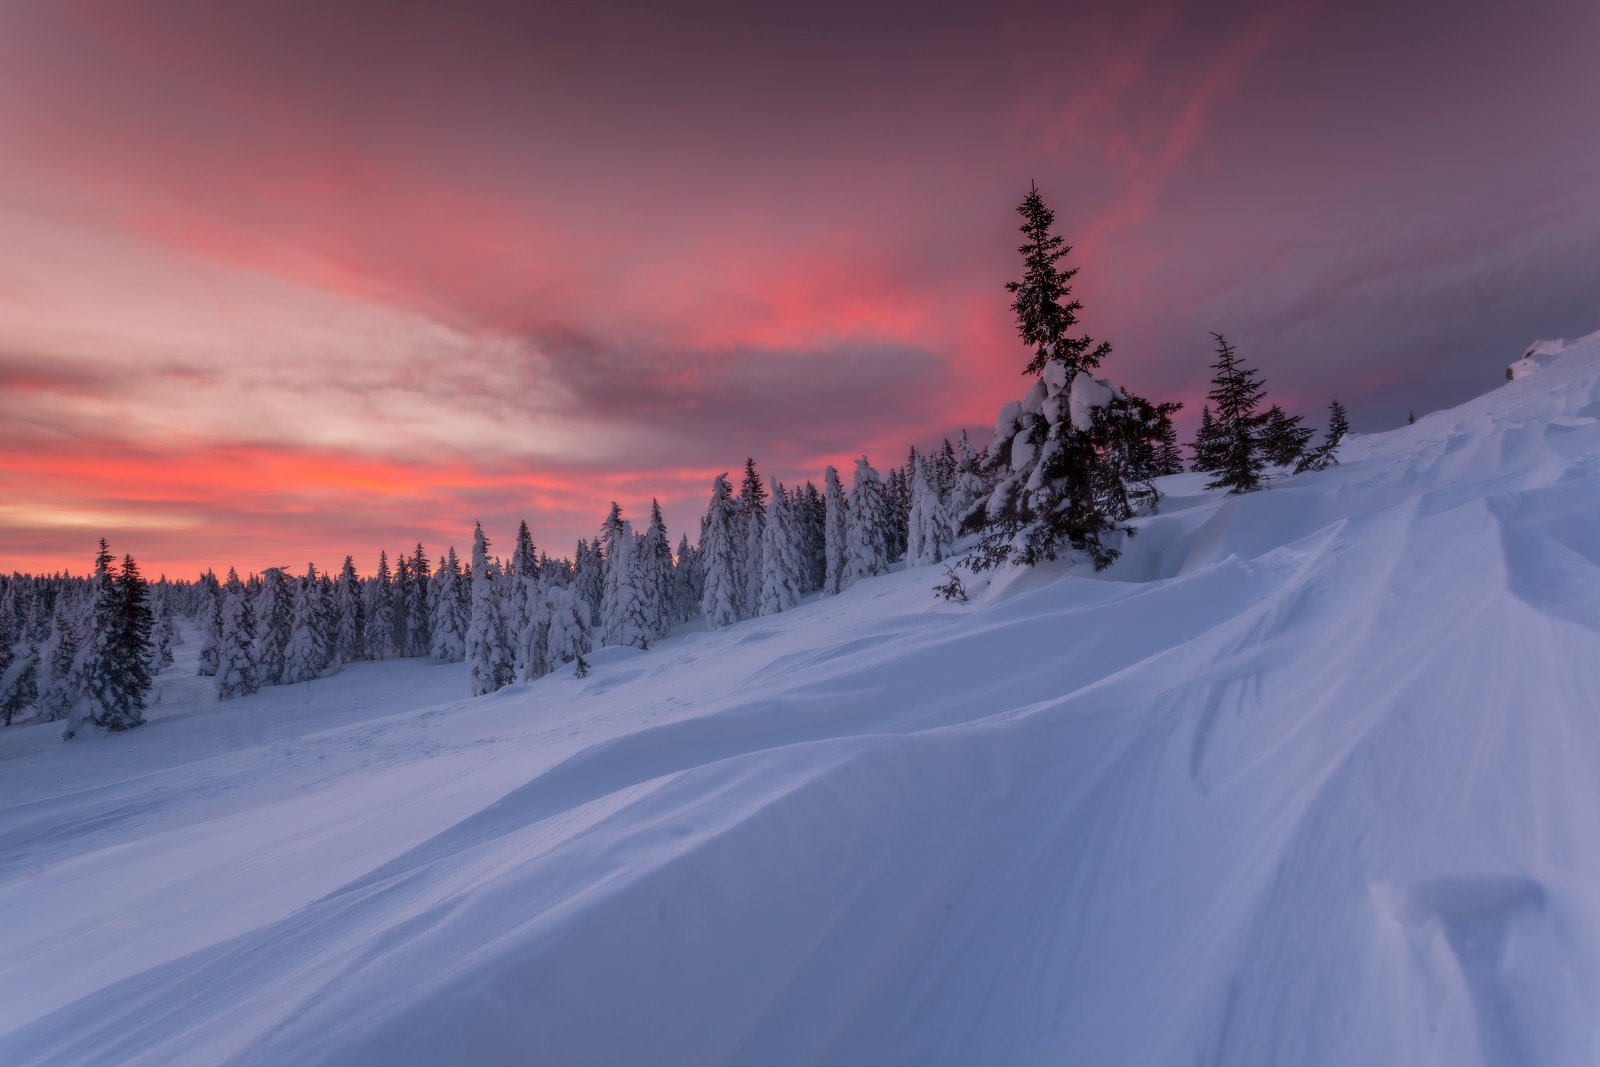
x=1307, y=777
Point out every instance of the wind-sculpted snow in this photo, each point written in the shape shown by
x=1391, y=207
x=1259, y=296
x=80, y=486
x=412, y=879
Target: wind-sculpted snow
x=1311, y=776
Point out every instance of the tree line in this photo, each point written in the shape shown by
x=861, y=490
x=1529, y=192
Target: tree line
x=1068, y=468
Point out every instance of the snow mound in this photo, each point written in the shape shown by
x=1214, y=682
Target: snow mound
x=1308, y=776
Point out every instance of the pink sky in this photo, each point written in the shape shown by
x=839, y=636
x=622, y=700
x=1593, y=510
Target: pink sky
x=281, y=282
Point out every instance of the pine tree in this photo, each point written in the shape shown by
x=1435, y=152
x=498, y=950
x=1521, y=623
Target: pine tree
x=752, y=524
x=620, y=612
x=57, y=684
x=1283, y=437
x=524, y=567
x=164, y=630
x=236, y=668
x=1168, y=454
x=379, y=605
x=929, y=529
x=589, y=576
x=686, y=582
x=1205, y=444
x=836, y=534
x=210, y=617
x=568, y=636
x=273, y=612
x=1326, y=454
x=723, y=596
x=111, y=673
x=867, y=553
x=349, y=619
x=654, y=558
x=450, y=618
x=491, y=662
x=1047, y=466
x=1044, y=314
x=533, y=640
x=811, y=515
x=781, y=564
x=306, y=651
x=971, y=486
x=419, y=611
x=1236, y=390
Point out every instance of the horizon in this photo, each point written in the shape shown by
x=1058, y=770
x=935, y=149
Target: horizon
x=300, y=286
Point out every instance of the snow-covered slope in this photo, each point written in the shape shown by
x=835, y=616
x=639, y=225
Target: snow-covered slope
x=1311, y=777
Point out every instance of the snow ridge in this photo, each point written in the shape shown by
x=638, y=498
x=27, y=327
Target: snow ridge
x=1307, y=777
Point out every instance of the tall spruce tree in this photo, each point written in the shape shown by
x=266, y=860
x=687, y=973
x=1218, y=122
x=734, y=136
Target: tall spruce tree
x=1236, y=390
x=1284, y=437
x=620, y=612
x=1044, y=312
x=349, y=618
x=722, y=598
x=781, y=563
x=1046, y=467
x=450, y=612
x=1326, y=454
x=491, y=659
x=209, y=614
x=867, y=551
x=306, y=652
x=836, y=534
x=752, y=523
x=1204, y=445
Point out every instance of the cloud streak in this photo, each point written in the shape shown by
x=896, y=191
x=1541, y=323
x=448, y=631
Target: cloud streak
x=294, y=282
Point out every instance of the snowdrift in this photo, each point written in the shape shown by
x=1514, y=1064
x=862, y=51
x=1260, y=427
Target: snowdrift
x=1309, y=777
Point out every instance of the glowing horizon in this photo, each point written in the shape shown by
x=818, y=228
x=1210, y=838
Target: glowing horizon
x=278, y=288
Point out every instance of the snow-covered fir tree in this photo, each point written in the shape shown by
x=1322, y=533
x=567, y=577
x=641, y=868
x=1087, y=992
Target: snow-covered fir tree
x=491, y=661
x=273, y=612
x=589, y=575
x=524, y=568
x=163, y=629
x=348, y=642
x=782, y=565
x=419, y=614
x=621, y=612
x=836, y=534
x=897, y=501
x=687, y=584
x=929, y=529
x=654, y=560
x=378, y=609
x=567, y=636
x=970, y=483
x=236, y=666
x=306, y=652
x=811, y=518
x=59, y=652
x=722, y=598
x=533, y=640
x=1059, y=457
x=111, y=674
x=752, y=523
x=209, y=615
x=450, y=611
x=867, y=534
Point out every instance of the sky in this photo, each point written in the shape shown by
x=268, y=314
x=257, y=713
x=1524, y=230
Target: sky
x=285, y=281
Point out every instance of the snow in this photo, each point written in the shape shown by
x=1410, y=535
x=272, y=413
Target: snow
x=1087, y=394
x=1309, y=776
